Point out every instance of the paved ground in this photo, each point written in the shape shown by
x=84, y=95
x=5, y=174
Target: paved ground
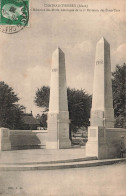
x=40, y=155
x=93, y=181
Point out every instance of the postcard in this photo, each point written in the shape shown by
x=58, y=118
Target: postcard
x=57, y=59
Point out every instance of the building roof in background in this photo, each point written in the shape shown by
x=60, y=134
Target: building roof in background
x=30, y=120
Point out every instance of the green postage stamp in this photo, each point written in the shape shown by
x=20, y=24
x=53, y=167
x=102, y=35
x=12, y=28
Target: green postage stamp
x=14, y=12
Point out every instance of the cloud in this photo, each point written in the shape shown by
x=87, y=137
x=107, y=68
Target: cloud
x=33, y=79
x=121, y=50
x=119, y=55
x=85, y=46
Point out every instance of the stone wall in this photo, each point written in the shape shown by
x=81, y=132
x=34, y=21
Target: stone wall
x=5, y=143
x=22, y=139
x=104, y=142
x=113, y=137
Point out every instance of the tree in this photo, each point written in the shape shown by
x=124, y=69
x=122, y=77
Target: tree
x=42, y=97
x=10, y=111
x=42, y=119
x=79, y=105
x=119, y=95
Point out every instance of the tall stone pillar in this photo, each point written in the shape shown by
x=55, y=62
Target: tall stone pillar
x=102, y=113
x=58, y=115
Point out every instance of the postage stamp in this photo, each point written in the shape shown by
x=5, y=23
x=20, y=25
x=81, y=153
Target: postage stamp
x=14, y=15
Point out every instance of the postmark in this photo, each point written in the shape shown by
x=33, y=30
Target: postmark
x=14, y=15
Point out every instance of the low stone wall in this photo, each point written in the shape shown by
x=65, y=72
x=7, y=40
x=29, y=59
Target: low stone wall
x=113, y=137
x=104, y=142
x=5, y=143
x=23, y=139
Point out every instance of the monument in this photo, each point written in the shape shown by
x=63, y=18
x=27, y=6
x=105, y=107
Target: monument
x=58, y=115
x=103, y=138
x=102, y=113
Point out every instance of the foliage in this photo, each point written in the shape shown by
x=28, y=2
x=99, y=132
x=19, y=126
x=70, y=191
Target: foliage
x=79, y=104
x=119, y=95
x=42, y=119
x=10, y=112
x=42, y=97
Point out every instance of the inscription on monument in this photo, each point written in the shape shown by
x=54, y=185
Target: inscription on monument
x=92, y=132
x=99, y=62
x=54, y=70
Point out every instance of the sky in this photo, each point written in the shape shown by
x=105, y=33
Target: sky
x=25, y=57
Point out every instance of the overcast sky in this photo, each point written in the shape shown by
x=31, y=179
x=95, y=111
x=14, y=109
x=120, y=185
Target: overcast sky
x=25, y=57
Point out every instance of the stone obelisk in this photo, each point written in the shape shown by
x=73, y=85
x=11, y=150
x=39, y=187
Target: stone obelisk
x=102, y=113
x=58, y=115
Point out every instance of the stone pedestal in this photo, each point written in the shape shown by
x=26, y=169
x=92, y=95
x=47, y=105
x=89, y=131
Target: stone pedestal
x=5, y=143
x=96, y=145
x=63, y=125
x=52, y=138
x=58, y=115
x=59, y=134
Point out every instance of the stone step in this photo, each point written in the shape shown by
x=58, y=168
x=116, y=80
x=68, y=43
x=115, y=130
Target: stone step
x=55, y=166
x=52, y=162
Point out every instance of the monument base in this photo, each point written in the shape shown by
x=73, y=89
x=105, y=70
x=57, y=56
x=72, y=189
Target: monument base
x=96, y=145
x=65, y=144
x=104, y=142
x=52, y=145
x=58, y=131
x=102, y=118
